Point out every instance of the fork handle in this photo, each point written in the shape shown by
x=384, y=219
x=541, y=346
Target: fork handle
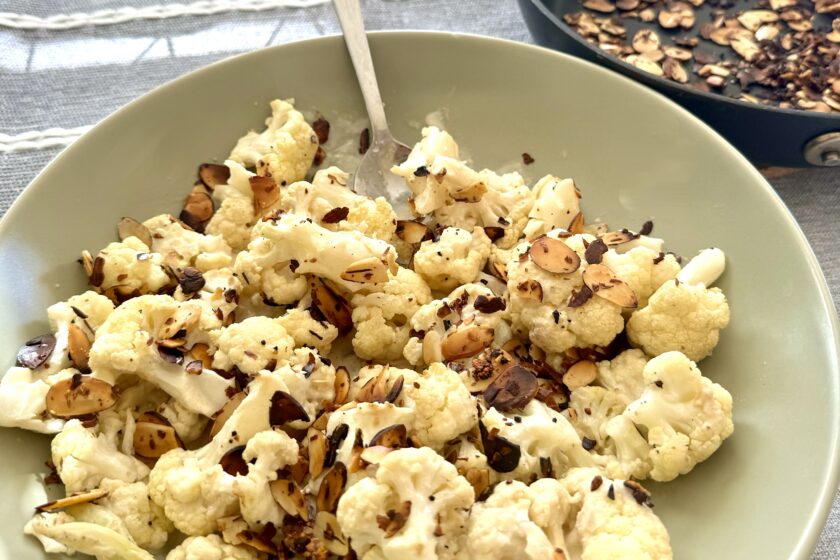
x=350, y=16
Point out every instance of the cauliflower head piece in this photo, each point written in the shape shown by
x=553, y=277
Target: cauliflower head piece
x=210, y=547
x=455, y=258
x=254, y=344
x=556, y=204
x=143, y=519
x=181, y=247
x=129, y=269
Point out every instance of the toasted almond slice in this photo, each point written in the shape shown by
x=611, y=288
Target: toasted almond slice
x=746, y=48
x=613, y=238
x=375, y=389
x=530, y=289
x=498, y=269
x=753, y=19
x=479, y=479
x=678, y=53
x=183, y=319
x=432, y=348
x=331, y=488
x=602, y=6
x=341, y=385
x=75, y=499
x=465, y=343
x=285, y=408
x=233, y=463
x=327, y=530
x=366, y=271
x=553, y=255
x=78, y=346
x=513, y=389
x=212, y=174
x=266, y=193
x=151, y=440
x=332, y=306
x=412, y=231
x=97, y=273
x=627, y=4
x=769, y=32
x=79, y=395
x=129, y=227
x=580, y=374
x=675, y=71
x=606, y=285
x=317, y=447
x=36, y=351
x=577, y=223
x=290, y=497
x=374, y=454
x=87, y=263
x=502, y=454
x=393, y=437
x=198, y=209
x=645, y=40
x=201, y=352
x=227, y=410
x=320, y=423
x=257, y=542
x=153, y=417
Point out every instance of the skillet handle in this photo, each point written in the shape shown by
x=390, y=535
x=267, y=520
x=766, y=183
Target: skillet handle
x=824, y=150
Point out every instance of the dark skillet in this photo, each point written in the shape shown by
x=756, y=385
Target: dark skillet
x=767, y=135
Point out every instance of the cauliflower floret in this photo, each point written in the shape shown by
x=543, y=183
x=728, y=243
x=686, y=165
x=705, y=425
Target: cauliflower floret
x=428, y=193
x=643, y=269
x=612, y=520
x=310, y=379
x=254, y=344
x=539, y=304
x=685, y=415
x=266, y=453
x=218, y=297
x=455, y=258
x=541, y=434
x=181, y=247
x=269, y=283
x=61, y=533
x=328, y=193
x=589, y=410
x=233, y=221
x=23, y=401
x=520, y=522
x=187, y=424
x=125, y=345
x=211, y=547
x=308, y=331
x=382, y=319
x=126, y=274
x=284, y=150
x=684, y=315
x=623, y=374
x=191, y=486
x=143, y=518
x=83, y=457
x=418, y=485
x=556, y=204
x=468, y=306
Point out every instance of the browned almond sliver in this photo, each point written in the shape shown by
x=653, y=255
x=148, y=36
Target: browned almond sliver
x=290, y=497
x=213, y=174
x=366, y=271
x=393, y=437
x=512, y=389
x=327, y=530
x=227, y=410
x=465, y=343
x=553, y=255
x=490, y=304
x=331, y=488
x=233, y=463
x=580, y=374
x=317, y=448
x=151, y=440
x=183, y=319
x=36, y=351
x=74, y=499
x=78, y=346
x=97, y=272
x=341, y=385
x=266, y=193
x=376, y=388
x=394, y=519
x=198, y=209
x=613, y=238
x=192, y=280
x=332, y=306
x=479, y=479
x=606, y=285
x=577, y=223
x=498, y=269
x=79, y=395
x=201, y=352
x=602, y=6
x=129, y=227
x=285, y=408
x=412, y=231
x=258, y=542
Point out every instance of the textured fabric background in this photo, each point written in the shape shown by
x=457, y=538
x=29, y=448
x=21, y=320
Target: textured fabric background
x=73, y=78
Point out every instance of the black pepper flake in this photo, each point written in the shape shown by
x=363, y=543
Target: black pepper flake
x=421, y=171
x=556, y=316
x=596, y=483
x=659, y=258
x=293, y=265
x=658, y=383
x=611, y=492
x=580, y=297
x=588, y=444
x=322, y=129
x=527, y=159
x=336, y=215
x=647, y=228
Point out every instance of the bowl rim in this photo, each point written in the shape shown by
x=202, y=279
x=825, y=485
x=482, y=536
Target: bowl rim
x=675, y=87
x=806, y=542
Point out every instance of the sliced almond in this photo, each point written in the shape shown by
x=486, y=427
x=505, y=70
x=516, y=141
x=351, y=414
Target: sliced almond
x=198, y=209
x=502, y=454
x=78, y=346
x=97, y=271
x=257, y=542
x=377, y=390
x=266, y=193
x=465, y=343
x=432, y=348
x=580, y=375
x=129, y=227
x=366, y=271
x=375, y=454
x=779, y=4
x=79, y=395
x=678, y=53
x=290, y=497
x=36, y=351
x=645, y=40
x=412, y=231
x=606, y=285
x=75, y=499
x=87, y=264
x=627, y=4
x=151, y=440
x=602, y=6
x=498, y=269
x=284, y=409
x=333, y=307
x=745, y=48
x=513, y=389
x=553, y=255
x=212, y=175
x=317, y=447
x=331, y=488
x=341, y=385
x=393, y=437
x=233, y=463
x=183, y=319
x=753, y=19
x=201, y=352
x=577, y=224
x=225, y=413
x=469, y=193
x=674, y=71
x=614, y=238
x=767, y=32
x=479, y=479
x=327, y=530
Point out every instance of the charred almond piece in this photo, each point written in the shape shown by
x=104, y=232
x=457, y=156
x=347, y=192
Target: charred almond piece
x=290, y=497
x=502, y=454
x=213, y=174
x=341, y=385
x=198, y=209
x=285, y=408
x=201, y=352
x=36, y=351
x=530, y=289
x=266, y=193
x=327, y=530
x=479, y=479
x=233, y=463
x=129, y=227
x=257, y=542
x=413, y=232
x=74, y=499
x=78, y=346
x=332, y=306
x=552, y=255
x=151, y=440
x=466, y=343
x=393, y=437
x=606, y=285
x=183, y=319
x=512, y=389
x=331, y=488
x=79, y=395
x=97, y=271
x=376, y=388
x=366, y=271
x=499, y=270
x=577, y=224
x=336, y=215
x=580, y=374
x=613, y=238
x=222, y=416
x=317, y=448
x=394, y=519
